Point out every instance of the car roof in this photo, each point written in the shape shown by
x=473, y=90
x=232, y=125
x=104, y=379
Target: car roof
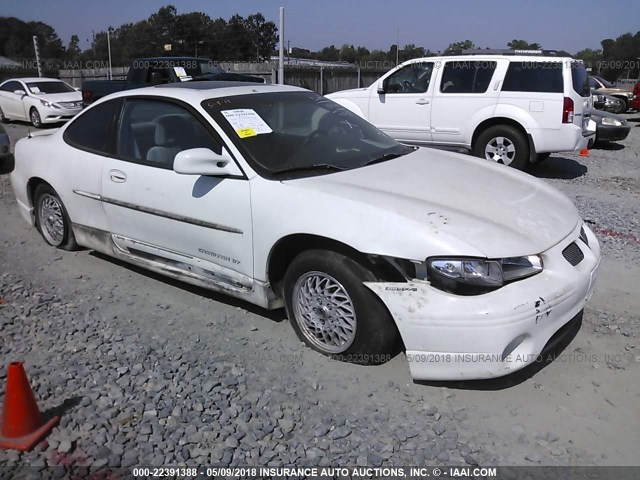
x=493, y=56
x=198, y=91
x=33, y=79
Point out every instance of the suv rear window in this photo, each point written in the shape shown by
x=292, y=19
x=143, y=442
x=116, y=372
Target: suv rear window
x=580, y=79
x=467, y=76
x=543, y=77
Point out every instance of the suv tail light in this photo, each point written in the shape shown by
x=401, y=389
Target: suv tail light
x=567, y=111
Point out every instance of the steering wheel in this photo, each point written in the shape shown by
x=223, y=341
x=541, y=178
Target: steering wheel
x=407, y=85
x=313, y=136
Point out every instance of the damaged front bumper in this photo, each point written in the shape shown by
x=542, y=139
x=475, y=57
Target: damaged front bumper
x=453, y=337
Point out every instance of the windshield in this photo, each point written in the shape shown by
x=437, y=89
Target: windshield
x=199, y=68
x=289, y=134
x=604, y=82
x=49, y=87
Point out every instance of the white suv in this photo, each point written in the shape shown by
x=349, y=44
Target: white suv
x=513, y=107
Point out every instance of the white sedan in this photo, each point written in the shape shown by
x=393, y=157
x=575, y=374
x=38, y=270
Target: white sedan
x=38, y=100
x=280, y=197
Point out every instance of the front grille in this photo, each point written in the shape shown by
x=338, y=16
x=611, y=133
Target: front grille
x=70, y=104
x=573, y=254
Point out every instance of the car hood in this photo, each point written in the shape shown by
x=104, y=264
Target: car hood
x=59, y=97
x=613, y=90
x=493, y=209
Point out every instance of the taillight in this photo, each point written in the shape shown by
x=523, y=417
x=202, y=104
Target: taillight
x=567, y=111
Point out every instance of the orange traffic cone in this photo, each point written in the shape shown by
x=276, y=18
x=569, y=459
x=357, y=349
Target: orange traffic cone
x=584, y=152
x=21, y=424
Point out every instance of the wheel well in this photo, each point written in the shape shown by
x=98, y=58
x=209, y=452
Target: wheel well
x=32, y=185
x=288, y=248
x=492, y=122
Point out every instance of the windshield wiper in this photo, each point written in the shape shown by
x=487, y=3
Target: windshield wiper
x=315, y=166
x=389, y=156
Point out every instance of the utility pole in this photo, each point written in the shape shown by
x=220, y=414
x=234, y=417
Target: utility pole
x=398, y=48
x=37, y=50
x=281, y=57
x=109, y=48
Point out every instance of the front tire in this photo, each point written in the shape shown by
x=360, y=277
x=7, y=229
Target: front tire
x=623, y=105
x=34, y=115
x=503, y=144
x=333, y=312
x=52, y=219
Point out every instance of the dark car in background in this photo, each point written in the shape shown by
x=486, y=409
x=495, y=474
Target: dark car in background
x=6, y=157
x=609, y=127
x=607, y=102
x=146, y=72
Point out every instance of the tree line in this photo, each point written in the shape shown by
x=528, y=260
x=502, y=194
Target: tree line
x=253, y=38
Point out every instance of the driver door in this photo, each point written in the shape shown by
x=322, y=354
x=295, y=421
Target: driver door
x=198, y=224
x=403, y=111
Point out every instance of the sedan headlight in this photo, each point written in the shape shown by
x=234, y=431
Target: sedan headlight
x=611, y=122
x=474, y=276
x=49, y=104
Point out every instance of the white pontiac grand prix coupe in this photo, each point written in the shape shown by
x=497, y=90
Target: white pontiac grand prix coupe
x=278, y=196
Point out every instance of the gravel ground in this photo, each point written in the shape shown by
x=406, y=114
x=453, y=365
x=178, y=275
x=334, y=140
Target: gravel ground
x=147, y=371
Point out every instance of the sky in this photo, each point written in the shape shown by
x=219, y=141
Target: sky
x=569, y=25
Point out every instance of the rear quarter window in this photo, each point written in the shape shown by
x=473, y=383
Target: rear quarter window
x=543, y=77
x=93, y=130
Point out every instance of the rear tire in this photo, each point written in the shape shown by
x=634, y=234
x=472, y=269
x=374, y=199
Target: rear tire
x=503, y=144
x=333, y=312
x=34, y=115
x=52, y=219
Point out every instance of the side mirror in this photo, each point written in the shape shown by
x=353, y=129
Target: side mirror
x=381, y=90
x=20, y=93
x=204, y=161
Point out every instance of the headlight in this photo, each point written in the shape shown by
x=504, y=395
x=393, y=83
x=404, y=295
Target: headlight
x=49, y=104
x=474, y=276
x=611, y=122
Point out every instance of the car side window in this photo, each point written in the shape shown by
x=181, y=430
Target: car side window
x=467, y=76
x=545, y=77
x=11, y=87
x=153, y=132
x=413, y=78
x=91, y=130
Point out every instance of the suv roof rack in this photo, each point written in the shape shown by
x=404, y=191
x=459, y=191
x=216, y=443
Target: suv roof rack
x=501, y=51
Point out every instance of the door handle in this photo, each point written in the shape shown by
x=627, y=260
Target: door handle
x=117, y=176
x=422, y=101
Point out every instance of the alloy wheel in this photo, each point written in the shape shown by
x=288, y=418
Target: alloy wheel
x=51, y=219
x=325, y=312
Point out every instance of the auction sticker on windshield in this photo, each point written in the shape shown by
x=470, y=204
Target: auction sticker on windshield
x=246, y=122
x=181, y=73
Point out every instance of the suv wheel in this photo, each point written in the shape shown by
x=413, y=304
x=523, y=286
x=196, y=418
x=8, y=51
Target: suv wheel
x=503, y=144
x=333, y=312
